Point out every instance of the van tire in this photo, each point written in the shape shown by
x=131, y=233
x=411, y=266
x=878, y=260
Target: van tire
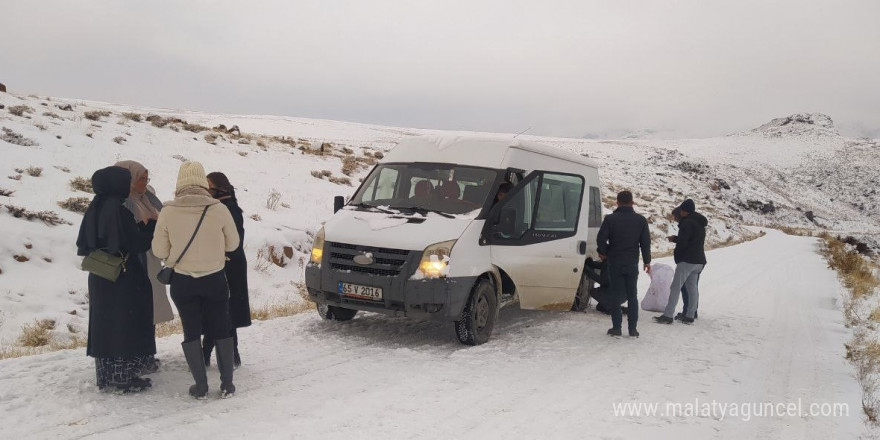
x=479, y=315
x=582, y=296
x=334, y=313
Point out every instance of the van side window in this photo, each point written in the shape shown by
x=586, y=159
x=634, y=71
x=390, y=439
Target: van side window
x=595, y=208
x=559, y=203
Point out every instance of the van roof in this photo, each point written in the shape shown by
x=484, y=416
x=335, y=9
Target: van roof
x=488, y=152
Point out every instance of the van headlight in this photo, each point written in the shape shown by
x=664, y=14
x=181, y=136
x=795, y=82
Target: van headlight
x=435, y=259
x=317, y=247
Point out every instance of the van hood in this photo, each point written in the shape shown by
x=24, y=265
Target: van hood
x=396, y=231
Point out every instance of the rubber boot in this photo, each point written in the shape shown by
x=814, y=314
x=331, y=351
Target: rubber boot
x=192, y=351
x=225, y=350
x=207, y=348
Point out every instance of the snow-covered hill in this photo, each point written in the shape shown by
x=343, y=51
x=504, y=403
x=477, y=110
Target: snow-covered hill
x=287, y=169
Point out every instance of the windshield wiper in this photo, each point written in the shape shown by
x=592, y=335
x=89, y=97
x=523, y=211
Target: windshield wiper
x=423, y=211
x=364, y=205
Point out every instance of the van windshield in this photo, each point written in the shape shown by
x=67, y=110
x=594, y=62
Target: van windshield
x=427, y=187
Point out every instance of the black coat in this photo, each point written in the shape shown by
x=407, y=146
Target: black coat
x=121, y=312
x=236, y=272
x=622, y=234
x=691, y=240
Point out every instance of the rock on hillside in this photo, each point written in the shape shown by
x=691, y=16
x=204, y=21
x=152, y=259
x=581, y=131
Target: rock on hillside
x=800, y=124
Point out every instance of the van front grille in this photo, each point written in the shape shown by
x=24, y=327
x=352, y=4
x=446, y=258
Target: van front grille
x=386, y=262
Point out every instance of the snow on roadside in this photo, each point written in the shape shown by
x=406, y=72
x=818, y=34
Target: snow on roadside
x=770, y=330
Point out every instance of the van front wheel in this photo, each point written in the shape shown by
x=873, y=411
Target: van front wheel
x=334, y=313
x=479, y=315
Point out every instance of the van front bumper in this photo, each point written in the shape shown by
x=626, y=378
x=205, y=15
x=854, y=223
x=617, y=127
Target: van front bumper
x=436, y=299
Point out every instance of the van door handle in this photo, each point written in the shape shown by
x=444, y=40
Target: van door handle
x=582, y=247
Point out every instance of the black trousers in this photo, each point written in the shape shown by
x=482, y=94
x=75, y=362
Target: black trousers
x=202, y=302
x=622, y=285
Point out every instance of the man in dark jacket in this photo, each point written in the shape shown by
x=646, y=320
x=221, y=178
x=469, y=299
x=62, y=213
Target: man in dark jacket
x=690, y=258
x=621, y=236
x=676, y=214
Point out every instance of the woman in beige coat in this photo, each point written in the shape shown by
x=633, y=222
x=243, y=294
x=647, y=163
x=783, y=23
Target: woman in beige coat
x=198, y=287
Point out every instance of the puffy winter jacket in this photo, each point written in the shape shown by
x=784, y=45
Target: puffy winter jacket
x=691, y=240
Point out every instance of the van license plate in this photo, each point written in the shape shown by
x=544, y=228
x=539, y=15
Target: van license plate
x=358, y=291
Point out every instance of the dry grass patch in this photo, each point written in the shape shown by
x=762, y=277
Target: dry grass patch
x=50, y=218
x=36, y=334
x=195, y=128
x=76, y=204
x=20, y=110
x=83, y=184
x=801, y=232
x=853, y=269
x=8, y=135
x=14, y=351
x=280, y=310
x=134, y=117
x=340, y=180
x=168, y=328
x=96, y=115
x=273, y=199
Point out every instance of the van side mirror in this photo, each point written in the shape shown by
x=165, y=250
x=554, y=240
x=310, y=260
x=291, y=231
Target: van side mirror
x=338, y=203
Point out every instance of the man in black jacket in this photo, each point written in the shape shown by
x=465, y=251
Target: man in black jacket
x=621, y=236
x=690, y=258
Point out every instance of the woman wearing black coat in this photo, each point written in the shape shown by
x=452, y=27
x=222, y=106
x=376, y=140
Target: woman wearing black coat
x=120, y=313
x=236, y=267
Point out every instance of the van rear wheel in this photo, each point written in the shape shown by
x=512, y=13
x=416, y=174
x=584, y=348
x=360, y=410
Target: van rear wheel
x=479, y=315
x=334, y=313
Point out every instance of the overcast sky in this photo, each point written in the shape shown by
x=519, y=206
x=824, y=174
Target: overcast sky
x=568, y=68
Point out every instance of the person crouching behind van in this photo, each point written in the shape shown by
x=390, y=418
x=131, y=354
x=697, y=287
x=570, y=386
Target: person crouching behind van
x=598, y=272
x=198, y=287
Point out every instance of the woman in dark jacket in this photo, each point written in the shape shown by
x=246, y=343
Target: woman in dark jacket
x=236, y=266
x=121, y=312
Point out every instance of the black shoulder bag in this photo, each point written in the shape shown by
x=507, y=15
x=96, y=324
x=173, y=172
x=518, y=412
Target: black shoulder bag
x=164, y=276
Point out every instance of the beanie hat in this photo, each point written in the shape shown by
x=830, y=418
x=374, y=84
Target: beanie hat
x=688, y=206
x=191, y=174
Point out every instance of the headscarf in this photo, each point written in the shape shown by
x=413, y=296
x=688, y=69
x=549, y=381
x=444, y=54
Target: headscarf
x=102, y=226
x=222, y=188
x=142, y=205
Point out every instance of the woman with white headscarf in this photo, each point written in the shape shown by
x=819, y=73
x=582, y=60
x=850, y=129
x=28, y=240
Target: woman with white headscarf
x=143, y=203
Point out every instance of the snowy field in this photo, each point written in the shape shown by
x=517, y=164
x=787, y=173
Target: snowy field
x=770, y=330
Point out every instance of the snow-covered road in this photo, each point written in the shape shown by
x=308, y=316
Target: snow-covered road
x=770, y=330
